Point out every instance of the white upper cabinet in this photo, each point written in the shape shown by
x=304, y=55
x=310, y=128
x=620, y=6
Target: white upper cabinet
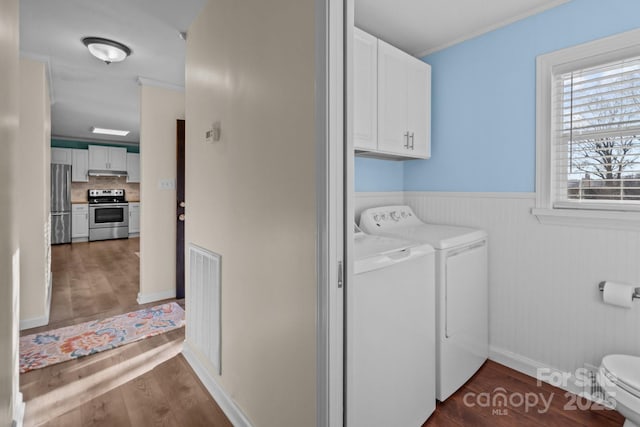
x=118, y=158
x=400, y=101
x=365, y=91
x=80, y=166
x=133, y=167
x=419, y=107
x=107, y=158
x=62, y=156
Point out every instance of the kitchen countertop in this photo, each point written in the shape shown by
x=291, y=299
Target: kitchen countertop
x=84, y=202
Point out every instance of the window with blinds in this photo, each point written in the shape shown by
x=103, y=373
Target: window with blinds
x=596, y=142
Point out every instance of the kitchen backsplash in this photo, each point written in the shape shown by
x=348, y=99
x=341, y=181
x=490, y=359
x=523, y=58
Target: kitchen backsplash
x=79, y=189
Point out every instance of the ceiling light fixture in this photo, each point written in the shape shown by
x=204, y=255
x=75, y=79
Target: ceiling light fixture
x=106, y=50
x=110, y=131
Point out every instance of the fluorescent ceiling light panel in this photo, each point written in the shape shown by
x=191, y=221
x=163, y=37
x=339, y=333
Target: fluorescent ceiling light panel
x=115, y=132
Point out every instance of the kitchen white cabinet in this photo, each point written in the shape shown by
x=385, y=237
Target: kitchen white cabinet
x=80, y=166
x=107, y=158
x=133, y=167
x=61, y=156
x=398, y=104
x=134, y=218
x=79, y=222
x=365, y=91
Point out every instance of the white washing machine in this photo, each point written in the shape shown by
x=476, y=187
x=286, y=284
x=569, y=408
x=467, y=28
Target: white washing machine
x=390, y=327
x=462, y=294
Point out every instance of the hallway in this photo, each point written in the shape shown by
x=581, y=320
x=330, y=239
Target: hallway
x=144, y=383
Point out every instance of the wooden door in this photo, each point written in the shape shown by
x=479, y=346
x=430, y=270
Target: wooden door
x=180, y=208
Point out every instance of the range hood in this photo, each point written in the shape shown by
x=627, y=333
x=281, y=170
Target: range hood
x=98, y=172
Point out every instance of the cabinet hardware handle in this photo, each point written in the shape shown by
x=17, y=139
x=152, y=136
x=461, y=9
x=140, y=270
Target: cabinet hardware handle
x=412, y=140
x=406, y=138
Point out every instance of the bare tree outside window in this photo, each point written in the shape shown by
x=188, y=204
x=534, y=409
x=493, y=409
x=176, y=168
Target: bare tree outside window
x=601, y=132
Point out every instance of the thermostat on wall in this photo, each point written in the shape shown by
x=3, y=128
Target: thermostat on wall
x=213, y=134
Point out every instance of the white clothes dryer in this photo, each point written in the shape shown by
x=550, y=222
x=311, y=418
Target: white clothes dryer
x=462, y=294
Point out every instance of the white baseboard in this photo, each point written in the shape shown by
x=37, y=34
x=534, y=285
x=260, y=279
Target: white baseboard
x=35, y=322
x=156, y=296
x=530, y=367
x=228, y=406
x=18, y=412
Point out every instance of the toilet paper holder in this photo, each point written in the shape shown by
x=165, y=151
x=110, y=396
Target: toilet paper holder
x=636, y=294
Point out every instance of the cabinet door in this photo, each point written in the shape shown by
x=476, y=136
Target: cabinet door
x=134, y=218
x=133, y=167
x=80, y=166
x=98, y=157
x=365, y=91
x=419, y=107
x=392, y=100
x=117, y=159
x=61, y=156
x=79, y=221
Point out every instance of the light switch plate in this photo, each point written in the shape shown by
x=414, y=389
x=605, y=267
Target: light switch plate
x=167, y=184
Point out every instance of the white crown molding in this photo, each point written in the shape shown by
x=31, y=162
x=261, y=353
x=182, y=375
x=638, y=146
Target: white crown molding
x=489, y=28
x=145, y=81
x=47, y=66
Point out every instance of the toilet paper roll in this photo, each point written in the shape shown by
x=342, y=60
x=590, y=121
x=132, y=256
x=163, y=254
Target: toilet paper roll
x=619, y=294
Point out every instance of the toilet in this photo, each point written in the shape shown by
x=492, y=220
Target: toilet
x=619, y=376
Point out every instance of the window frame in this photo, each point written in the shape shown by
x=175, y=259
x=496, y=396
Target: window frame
x=608, y=49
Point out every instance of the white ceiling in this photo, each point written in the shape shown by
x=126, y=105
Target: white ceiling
x=420, y=27
x=87, y=92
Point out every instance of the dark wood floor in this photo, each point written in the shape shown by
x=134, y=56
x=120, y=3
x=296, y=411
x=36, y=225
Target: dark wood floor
x=169, y=395
x=469, y=406
x=94, y=277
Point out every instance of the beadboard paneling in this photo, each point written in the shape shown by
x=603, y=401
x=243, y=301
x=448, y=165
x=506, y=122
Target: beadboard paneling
x=544, y=299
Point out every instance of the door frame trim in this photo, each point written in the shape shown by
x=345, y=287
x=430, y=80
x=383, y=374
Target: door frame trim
x=330, y=155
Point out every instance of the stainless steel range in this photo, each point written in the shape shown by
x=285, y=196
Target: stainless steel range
x=108, y=215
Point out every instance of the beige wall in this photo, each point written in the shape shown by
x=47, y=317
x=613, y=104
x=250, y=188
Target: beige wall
x=159, y=109
x=251, y=197
x=9, y=270
x=34, y=187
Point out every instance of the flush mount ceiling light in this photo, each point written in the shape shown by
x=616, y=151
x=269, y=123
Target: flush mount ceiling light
x=104, y=131
x=106, y=50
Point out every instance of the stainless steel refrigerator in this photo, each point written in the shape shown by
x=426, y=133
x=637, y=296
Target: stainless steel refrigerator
x=60, y=204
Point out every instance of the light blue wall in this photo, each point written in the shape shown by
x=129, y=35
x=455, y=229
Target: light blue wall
x=483, y=99
x=378, y=175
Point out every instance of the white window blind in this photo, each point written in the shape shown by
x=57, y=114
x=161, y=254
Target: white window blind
x=596, y=141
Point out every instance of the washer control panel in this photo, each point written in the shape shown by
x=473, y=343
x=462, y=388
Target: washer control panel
x=387, y=217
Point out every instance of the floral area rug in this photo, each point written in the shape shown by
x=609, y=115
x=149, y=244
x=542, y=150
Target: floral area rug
x=59, y=345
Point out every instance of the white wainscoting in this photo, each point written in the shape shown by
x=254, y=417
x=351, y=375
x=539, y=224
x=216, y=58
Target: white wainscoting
x=545, y=307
